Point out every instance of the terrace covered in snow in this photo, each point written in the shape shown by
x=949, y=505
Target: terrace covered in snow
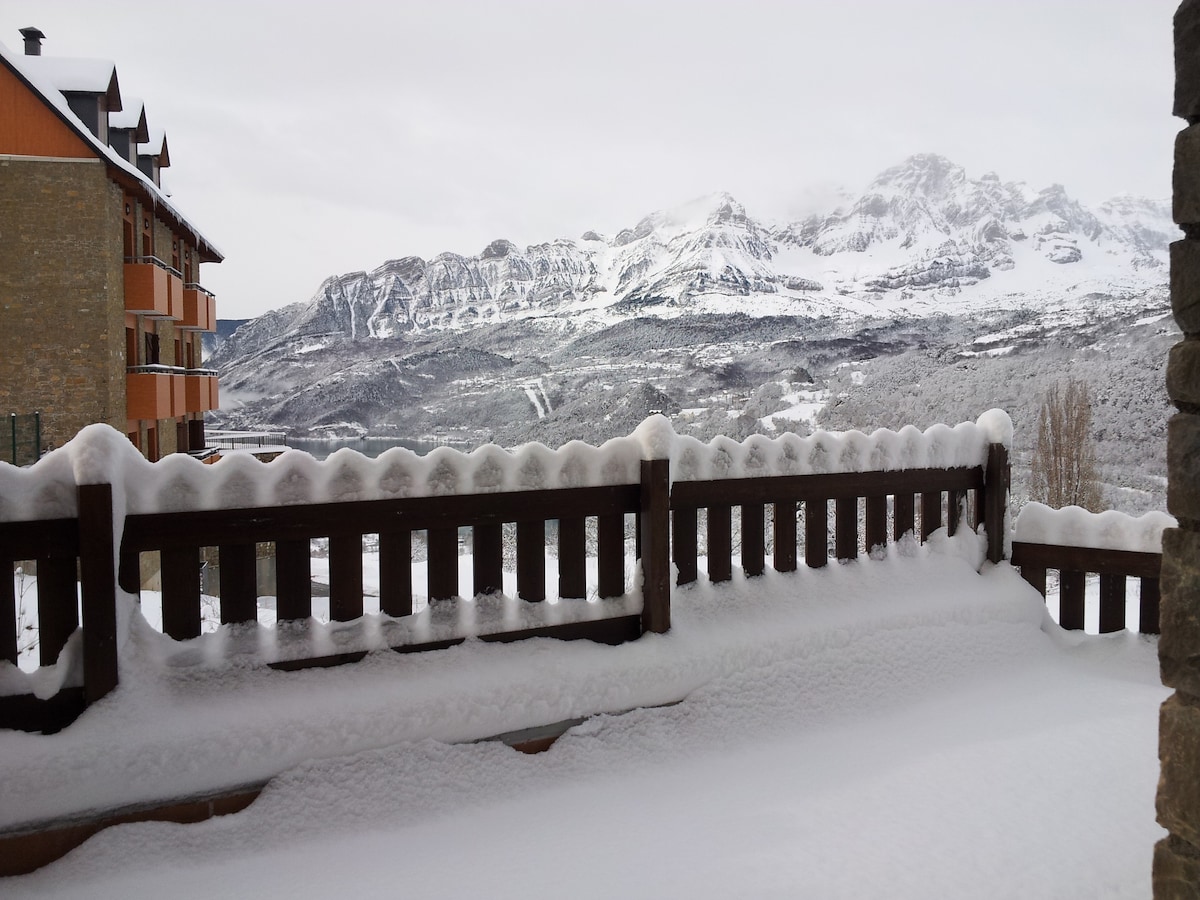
x=911, y=723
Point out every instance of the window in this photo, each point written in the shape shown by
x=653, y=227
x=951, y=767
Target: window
x=152, y=358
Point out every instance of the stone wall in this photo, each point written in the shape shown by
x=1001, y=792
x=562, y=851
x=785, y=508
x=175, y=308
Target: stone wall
x=62, y=332
x=1177, y=857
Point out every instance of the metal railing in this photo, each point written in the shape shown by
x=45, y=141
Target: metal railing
x=24, y=438
x=155, y=261
x=160, y=369
x=244, y=440
x=196, y=286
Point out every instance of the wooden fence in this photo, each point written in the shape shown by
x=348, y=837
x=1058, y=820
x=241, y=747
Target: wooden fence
x=666, y=519
x=74, y=575
x=1074, y=564
x=180, y=536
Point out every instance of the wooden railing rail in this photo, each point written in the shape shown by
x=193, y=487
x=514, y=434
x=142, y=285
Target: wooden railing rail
x=1074, y=564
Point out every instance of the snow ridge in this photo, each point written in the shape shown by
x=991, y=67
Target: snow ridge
x=1076, y=527
x=98, y=453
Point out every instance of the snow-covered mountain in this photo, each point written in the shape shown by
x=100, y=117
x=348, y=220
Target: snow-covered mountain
x=725, y=322
x=924, y=226
x=924, y=237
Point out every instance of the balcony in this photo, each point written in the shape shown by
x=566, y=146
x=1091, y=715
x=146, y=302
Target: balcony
x=168, y=392
x=199, y=309
x=151, y=393
x=152, y=288
x=200, y=390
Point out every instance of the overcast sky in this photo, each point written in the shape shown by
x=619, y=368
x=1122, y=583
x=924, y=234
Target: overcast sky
x=311, y=139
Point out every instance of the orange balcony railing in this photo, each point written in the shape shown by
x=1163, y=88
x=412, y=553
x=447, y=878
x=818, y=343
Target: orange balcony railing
x=148, y=395
x=199, y=309
x=168, y=392
x=146, y=289
x=174, y=296
x=178, y=395
x=201, y=392
x=153, y=288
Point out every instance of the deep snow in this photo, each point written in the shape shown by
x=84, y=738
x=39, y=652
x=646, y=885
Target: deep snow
x=905, y=727
x=912, y=726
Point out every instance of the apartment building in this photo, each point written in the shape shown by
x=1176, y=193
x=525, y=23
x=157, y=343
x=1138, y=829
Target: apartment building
x=101, y=305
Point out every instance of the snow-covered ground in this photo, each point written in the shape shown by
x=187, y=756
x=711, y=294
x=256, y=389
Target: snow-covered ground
x=908, y=727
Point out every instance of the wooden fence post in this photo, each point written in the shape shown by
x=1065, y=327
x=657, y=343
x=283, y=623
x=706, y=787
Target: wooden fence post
x=58, y=611
x=996, y=480
x=531, y=561
x=655, y=519
x=345, y=577
x=8, y=612
x=684, y=542
x=98, y=586
x=753, y=539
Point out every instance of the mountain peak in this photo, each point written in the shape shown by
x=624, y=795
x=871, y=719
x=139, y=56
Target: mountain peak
x=498, y=249
x=711, y=209
x=924, y=173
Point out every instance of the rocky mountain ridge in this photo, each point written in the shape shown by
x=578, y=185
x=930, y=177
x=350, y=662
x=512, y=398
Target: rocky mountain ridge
x=921, y=229
x=731, y=326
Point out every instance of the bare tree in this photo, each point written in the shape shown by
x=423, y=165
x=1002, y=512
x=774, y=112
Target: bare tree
x=1063, y=470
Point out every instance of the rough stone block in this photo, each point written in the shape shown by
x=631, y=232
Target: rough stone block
x=1187, y=59
x=1183, y=373
x=1183, y=466
x=1186, y=177
x=1178, y=801
x=1179, y=613
x=1176, y=872
x=1185, y=285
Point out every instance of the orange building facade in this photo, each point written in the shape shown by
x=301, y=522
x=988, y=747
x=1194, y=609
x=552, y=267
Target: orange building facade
x=101, y=304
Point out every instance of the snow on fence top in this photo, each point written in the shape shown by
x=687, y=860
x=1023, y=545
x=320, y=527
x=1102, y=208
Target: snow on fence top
x=99, y=454
x=1076, y=527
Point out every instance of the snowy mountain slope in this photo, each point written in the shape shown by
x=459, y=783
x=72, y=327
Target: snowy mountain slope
x=924, y=226
x=720, y=320
x=922, y=238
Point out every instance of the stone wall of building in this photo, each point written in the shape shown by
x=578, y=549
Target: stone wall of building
x=1177, y=857
x=62, y=334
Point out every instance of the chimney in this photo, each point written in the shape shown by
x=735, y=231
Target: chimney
x=33, y=40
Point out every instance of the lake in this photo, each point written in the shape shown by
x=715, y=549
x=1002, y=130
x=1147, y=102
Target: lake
x=371, y=447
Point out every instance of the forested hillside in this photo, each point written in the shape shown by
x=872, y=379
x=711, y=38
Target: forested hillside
x=1124, y=369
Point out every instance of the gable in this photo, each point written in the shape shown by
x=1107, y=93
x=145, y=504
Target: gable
x=28, y=127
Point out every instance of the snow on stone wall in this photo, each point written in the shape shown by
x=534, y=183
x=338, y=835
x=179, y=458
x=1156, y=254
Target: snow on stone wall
x=98, y=453
x=1076, y=527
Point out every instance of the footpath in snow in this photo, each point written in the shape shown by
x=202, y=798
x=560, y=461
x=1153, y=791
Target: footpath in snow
x=905, y=727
